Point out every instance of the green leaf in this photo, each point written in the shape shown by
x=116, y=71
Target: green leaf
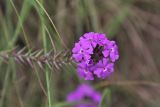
x=26, y=7
x=116, y=22
x=105, y=98
x=65, y=104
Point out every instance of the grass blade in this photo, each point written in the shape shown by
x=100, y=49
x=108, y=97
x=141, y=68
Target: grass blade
x=105, y=98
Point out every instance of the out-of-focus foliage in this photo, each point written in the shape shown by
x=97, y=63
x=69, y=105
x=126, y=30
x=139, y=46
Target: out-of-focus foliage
x=55, y=25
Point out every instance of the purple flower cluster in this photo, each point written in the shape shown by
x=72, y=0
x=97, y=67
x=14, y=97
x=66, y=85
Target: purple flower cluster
x=95, y=56
x=85, y=96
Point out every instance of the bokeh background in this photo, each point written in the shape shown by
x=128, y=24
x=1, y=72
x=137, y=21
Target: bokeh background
x=38, y=24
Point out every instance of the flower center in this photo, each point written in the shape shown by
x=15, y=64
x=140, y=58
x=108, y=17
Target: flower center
x=97, y=54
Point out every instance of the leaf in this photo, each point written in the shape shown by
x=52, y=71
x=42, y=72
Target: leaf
x=26, y=7
x=65, y=104
x=116, y=22
x=105, y=98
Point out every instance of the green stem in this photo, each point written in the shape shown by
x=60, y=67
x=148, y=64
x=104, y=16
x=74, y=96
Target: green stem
x=45, y=50
x=48, y=88
x=6, y=82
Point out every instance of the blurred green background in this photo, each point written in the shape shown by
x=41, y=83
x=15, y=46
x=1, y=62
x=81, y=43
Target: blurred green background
x=56, y=25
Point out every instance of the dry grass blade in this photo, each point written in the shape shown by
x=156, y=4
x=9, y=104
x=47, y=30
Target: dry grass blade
x=49, y=65
x=30, y=62
x=127, y=83
x=51, y=23
x=53, y=45
x=21, y=51
x=40, y=65
x=21, y=24
x=36, y=52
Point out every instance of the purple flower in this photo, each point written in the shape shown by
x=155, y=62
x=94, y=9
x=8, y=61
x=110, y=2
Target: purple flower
x=95, y=56
x=103, y=68
x=85, y=96
x=82, y=51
